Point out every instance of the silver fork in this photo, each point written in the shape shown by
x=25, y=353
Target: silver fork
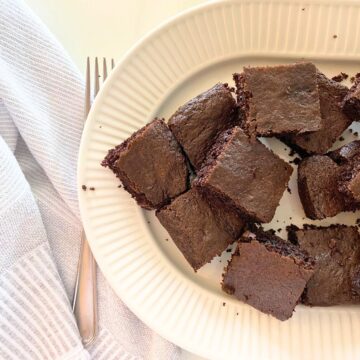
x=85, y=296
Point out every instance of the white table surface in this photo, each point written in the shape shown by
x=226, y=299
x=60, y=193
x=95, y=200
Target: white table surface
x=105, y=28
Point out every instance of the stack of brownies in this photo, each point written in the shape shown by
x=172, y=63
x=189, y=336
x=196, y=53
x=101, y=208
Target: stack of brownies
x=212, y=183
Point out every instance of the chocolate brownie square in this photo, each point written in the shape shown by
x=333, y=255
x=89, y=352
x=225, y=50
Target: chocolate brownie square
x=318, y=187
x=334, y=121
x=243, y=173
x=279, y=100
x=151, y=165
x=268, y=274
x=351, y=102
x=336, y=250
x=200, y=231
x=197, y=123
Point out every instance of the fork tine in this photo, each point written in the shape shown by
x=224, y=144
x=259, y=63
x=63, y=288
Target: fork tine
x=96, y=84
x=112, y=63
x=87, y=90
x=104, y=69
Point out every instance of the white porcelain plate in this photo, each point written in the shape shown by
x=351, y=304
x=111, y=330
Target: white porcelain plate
x=177, y=61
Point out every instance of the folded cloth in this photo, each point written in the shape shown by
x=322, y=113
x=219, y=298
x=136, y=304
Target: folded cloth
x=41, y=120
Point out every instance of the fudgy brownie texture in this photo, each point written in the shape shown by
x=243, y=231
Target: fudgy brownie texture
x=348, y=157
x=150, y=165
x=351, y=102
x=200, y=230
x=334, y=121
x=268, y=273
x=318, y=187
x=336, y=250
x=243, y=173
x=197, y=123
x=279, y=100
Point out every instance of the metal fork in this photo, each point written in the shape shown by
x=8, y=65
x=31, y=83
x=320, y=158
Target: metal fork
x=85, y=295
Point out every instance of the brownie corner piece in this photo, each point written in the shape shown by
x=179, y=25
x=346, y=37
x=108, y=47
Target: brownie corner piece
x=199, y=230
x=334, y=121
x=290, y=89
x=197, y=123
x=268, y=273
x=318, y=187
x=243, y=173
x=336, y=251
x=150, y=165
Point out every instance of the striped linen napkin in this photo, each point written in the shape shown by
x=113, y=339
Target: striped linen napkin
x=41, y=116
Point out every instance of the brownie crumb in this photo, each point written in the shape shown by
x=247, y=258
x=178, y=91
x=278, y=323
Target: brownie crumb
x=292, y=152
x=148, y=222
x=228, y=250
x=237, y=313
x=335, y=36
x=91, y=188
x=84, y=187
x=119, y=186
x=341, y=138
x=288, y=189
x=295, y=161
x=279, y=229
x=303, y=9
x=356, y=133
x=100, y=127
x=290, y=218
x=350, y=131
x=224, y=303
x=352, y=79
x=358, y=221
x=340, y=77
x=166, y=239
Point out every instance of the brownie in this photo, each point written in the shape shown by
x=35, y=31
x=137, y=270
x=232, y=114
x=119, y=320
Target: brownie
x=351, y=102
x=150, y=165
x=318, y=187
x=200, y=231
x=347, y=153
x=348, y=157
x=352, y=186
x=243, y=173
x=334, y=121
x=197, y=123
x=336, y=250
x=268, y=274
x=279, y=100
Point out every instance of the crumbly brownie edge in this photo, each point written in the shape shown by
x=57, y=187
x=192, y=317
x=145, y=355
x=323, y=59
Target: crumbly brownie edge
x=243, y=97
x=287, y=249
x=292, y=229
x=305, y=198
x=229, y=289
x=113, y=154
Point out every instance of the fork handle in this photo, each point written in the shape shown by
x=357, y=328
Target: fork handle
x=85, y=303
